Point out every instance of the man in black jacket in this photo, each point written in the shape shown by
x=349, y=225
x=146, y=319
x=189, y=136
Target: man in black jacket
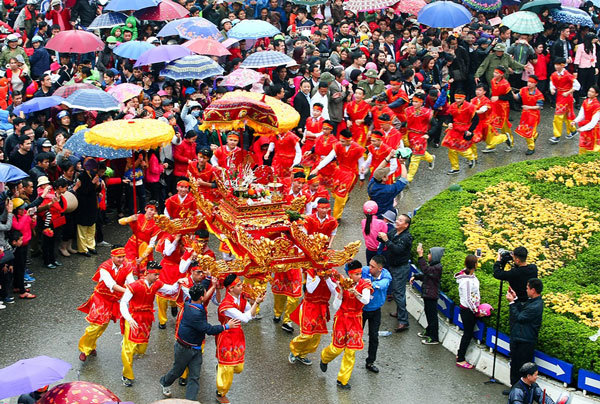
x=519, y=274
x=398, y=243
x=188, y=343
x=526, y=391
x=525, y=322
x=86, y=10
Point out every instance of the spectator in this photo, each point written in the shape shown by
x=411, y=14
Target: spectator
x=497, y=58
x=40, y=60
x=526, y=390
x=468, y=292
x=12, y=50
x=520, y=272
x=371, y=226
x=24, y=222
x=85, y=11
x=372, y=85
x=87, y=209
x=6, y=255
x=22, y=156
x=385, y=194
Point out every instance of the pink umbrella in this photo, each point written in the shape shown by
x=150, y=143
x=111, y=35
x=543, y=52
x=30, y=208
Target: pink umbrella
x=165, y=11
x=241, y=78
x=66, y=91
x=207, y=46
x=75, y=41
x=124, y=92
x=230, y=41
x=411, y=7
x=571, y=3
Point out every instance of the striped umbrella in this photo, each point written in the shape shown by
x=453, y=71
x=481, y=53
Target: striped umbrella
x=241, y=78
x=484, y=6
x=368, y=5
x=266, y=59
x=132, y=49
x=252, y=29
x=192, y=68
x=523, y=22
x=66, y=91
x=197, y=27
x=571, y=15
x=411, y=7
x=162, y=54
x=536, y=6
x=167, y=10
x=92, y=100
x=108, y=20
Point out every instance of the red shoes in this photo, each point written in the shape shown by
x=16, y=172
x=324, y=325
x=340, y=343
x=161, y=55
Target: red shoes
x=27, y=295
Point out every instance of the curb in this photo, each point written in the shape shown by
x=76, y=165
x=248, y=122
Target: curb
x=481, y=357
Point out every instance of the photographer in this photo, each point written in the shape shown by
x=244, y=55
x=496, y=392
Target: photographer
x=385, y=194
x=520, y=272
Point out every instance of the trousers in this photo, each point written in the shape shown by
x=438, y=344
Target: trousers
x=87, y=342
x=331, y=352
x=162, y=304
x=304, y=344
x=453, y=157
x=338, y=206
x=86, y=238
x=185, y=357
x=468, y=320
x=285, y=305
x=414, y=164
x=520, y=353
x=128, y=349
x=400, y=277
x=432, y=319
x=374, y=319
x=225, y=377
x=558, y=122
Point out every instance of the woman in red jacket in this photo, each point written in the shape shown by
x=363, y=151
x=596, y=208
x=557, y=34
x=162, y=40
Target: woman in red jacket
x=24, y=221
x=53, y=219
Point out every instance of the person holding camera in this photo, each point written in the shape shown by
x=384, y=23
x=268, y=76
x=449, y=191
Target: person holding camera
x=520, y=272
x=525, y=322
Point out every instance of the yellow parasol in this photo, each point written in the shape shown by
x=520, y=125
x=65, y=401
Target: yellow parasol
x=287, y=116
x=134, y=134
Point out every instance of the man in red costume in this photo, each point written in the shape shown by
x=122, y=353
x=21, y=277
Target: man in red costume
x=459, y=136
x=145, y=233
x=184, y=154
x=112, y=277
x=313, y=315
x=295, y=189
x=500, y=105
x=587, y=122
x=222, y=155
x=313, y=191
x=231, y=344
x=357, y=112
x=378, y=151
x=418, y=124
x=323, y=146
x=398, y=99
x=485, y=130
x=347, y=325
x=532, y=100
x=204, y=174
x=137, y=309
x=349, y=156
x=391, y=136
x=286, y=153
x=381, y=107
x=563, y=84
x=313, y=128
x=321, y=221
x=182, y=203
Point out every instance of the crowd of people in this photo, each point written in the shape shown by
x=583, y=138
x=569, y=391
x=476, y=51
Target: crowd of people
x=376, y=92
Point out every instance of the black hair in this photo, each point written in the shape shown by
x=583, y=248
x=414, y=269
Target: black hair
x=197, y=292
x=354, y=264
x=535, y=283
x=528, y=369
x=379, y=259
x=60, y=182
x=229, y=280
x=14, y=235
x=520, y=253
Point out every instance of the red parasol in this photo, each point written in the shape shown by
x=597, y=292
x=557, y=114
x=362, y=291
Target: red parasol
x=66, y=91
x=75, y=41
x=165, y=11
x=411, y=7
x=235, y=113
x=78, y=393
x=207, y=46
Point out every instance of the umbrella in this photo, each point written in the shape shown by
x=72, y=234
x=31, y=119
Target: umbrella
x=134, y=134
x=571, y=3
x=9, y=173
x=92, y=100
x=309, y=2
x=368, y=5
x=166, y=10
x=28, y=375
x=229, y=41
x=570, y=15
x=241, y=78
x=163, y=53
x=66, y=91
x=192, y=68
x=38, y=104
x=523, y=22
x=78, y=392
x=197, y=27
x=207, y=46
x=266, y=59
x=108, y=20
x=75, y=41
x=252, y=29
x=237, y=112
x=124, y=92
x=536, y=6
x=170, y=29
x=80, y=147
x=444, y=14
x=132, y=49
x=411, y=7
x=484, y=6
x=125, y=5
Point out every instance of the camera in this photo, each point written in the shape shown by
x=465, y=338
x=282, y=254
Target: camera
x=505, y=255
x=403, y=153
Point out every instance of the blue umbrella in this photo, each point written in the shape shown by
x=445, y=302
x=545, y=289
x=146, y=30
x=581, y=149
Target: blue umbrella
x=192, y=68
x=124, y=5
x=108, y=20
x=252, y=29
x=132, y=49
x=266, y=59
x=38, y=104
x=162, y=54
x=9, y=173
x=170, y=28
x=28, y=375
x=197, y=27
x=92, y=100
x=571, y=15
x=80, y=147
x=444, y=14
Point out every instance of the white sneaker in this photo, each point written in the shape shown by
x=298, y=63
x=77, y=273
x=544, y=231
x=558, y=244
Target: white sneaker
x=2, y=306
x=166, y=391
x=103, y=244
x=432, y=164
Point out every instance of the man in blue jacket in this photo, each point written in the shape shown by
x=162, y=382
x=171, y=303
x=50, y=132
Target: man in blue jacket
x=188, y=343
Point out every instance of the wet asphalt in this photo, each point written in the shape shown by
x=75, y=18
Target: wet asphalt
x=409, y=371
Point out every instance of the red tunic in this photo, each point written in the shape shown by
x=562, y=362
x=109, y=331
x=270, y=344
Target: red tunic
x=346, y=173
x=589, y=139
x=231, y=344
x=208, y=175
x=312, y=128
x=141, y=308
x=103, y=304
x=284, y=153
x=170, y=263
x=313, y=225
x=393, y=138
x=392, y=97
x=312, y=197
x=378, y=155
x=462, y=119
x=355, y=111
x=314, y=310
x=144, y=230
x=175, y=207
x=530, y=118
x=288, y=283
x=347, y=324
x=563, y=83
x=500, y=109
x=376, y=112
x=483, y=127
x=323, y=147
x=223, y=154
x=417, y=126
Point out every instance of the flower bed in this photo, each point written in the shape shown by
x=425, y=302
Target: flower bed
x=551, y=206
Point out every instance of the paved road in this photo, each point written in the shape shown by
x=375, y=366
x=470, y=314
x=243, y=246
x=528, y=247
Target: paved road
x=410, y=371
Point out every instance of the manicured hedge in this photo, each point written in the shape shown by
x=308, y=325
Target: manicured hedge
x=436, y=224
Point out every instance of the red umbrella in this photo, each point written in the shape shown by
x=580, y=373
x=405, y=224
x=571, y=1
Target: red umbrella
x=207, y=46
x=78, y=393
x=165, y=11
x=75, y=41
x=411, y=7
x=66, y=91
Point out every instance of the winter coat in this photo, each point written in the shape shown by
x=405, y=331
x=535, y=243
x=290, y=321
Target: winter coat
x=431, y=274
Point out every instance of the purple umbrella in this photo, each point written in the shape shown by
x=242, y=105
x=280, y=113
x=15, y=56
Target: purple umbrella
x=163, y=53
x=28, y=375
